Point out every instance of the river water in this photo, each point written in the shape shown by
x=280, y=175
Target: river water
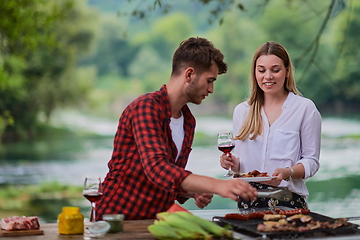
x=334, y=190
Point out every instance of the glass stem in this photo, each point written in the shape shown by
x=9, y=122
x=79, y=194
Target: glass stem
x=93, y=219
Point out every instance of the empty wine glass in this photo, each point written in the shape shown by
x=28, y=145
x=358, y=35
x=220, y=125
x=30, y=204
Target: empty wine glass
x=93, y=192
x=226, y=144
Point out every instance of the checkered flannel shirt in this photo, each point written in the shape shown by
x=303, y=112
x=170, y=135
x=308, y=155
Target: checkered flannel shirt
x=143, y=178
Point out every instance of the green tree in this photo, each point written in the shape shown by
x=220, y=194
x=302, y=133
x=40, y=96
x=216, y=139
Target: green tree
x=152, y=64
x=293, y=29
x=41, y=42
x=113, y=51
x=346, y=76
x=238, y=43
x=314, y=32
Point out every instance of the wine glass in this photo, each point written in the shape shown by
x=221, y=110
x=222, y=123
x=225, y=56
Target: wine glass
x=93, y=192
x=226, y=144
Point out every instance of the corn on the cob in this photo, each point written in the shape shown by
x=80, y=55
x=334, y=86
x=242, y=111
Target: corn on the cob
x=163, y=232
x=177, y=221
x=182, y=225
x=208, y=226
x=185, y=234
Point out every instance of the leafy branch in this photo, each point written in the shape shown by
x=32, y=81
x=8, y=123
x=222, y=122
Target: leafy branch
x=314, y=45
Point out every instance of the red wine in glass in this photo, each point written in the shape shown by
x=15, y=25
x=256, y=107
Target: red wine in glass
x=226, y=143
x=93, y=192
x=226, y=148
x=93, y=196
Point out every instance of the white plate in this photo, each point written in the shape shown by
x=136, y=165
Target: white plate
x=256, y=179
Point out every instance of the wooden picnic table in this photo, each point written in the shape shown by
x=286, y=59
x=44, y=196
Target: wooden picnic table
x=135, y=229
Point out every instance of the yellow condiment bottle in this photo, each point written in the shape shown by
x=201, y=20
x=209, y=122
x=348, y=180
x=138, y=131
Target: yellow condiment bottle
x=71, y=221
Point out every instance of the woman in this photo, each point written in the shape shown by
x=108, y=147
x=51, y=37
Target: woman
x=278, y=131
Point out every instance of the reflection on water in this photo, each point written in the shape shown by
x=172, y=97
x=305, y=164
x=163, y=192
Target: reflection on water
x=69, y=165
x=334, y=190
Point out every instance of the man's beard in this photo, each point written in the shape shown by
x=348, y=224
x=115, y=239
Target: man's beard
x=192, y=92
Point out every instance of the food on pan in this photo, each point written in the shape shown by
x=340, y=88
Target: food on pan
x=273, y=217
x=20, y=223
x=237, y=216
x=276, y=223
x=294, y=220
x=299, y=217
x=283, y=222
x=245, y=217
x=260, y=215
x=276, y=226
x=254, y=173
x=271, y=223
x=324, y=225
x=293, y=211
x=283, y=225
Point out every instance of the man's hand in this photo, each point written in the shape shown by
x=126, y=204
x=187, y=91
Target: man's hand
x=234, y=188
x=202, y=199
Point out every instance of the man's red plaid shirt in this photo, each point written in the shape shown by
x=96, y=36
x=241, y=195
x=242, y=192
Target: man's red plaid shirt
x=143, y=178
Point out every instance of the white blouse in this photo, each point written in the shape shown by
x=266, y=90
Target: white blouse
x=293, y=138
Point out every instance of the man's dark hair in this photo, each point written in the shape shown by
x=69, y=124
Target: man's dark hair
x=198, y=53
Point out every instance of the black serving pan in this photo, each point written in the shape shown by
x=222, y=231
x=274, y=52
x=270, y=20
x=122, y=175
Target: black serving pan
x=249, y=227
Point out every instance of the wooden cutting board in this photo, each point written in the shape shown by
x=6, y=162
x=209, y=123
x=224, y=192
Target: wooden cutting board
x=4, y=233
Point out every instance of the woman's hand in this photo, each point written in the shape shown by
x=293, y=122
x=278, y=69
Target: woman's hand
x=229, y=161
x=273, y=182
x=280, y=174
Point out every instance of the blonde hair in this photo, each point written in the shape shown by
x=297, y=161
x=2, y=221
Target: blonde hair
x=253, y=123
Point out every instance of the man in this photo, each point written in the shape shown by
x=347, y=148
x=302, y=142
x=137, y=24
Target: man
x=154, y=138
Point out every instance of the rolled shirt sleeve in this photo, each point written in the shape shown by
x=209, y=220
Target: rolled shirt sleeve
x=311, y=141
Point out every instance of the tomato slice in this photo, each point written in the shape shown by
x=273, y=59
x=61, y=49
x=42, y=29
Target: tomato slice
x=177, y=208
